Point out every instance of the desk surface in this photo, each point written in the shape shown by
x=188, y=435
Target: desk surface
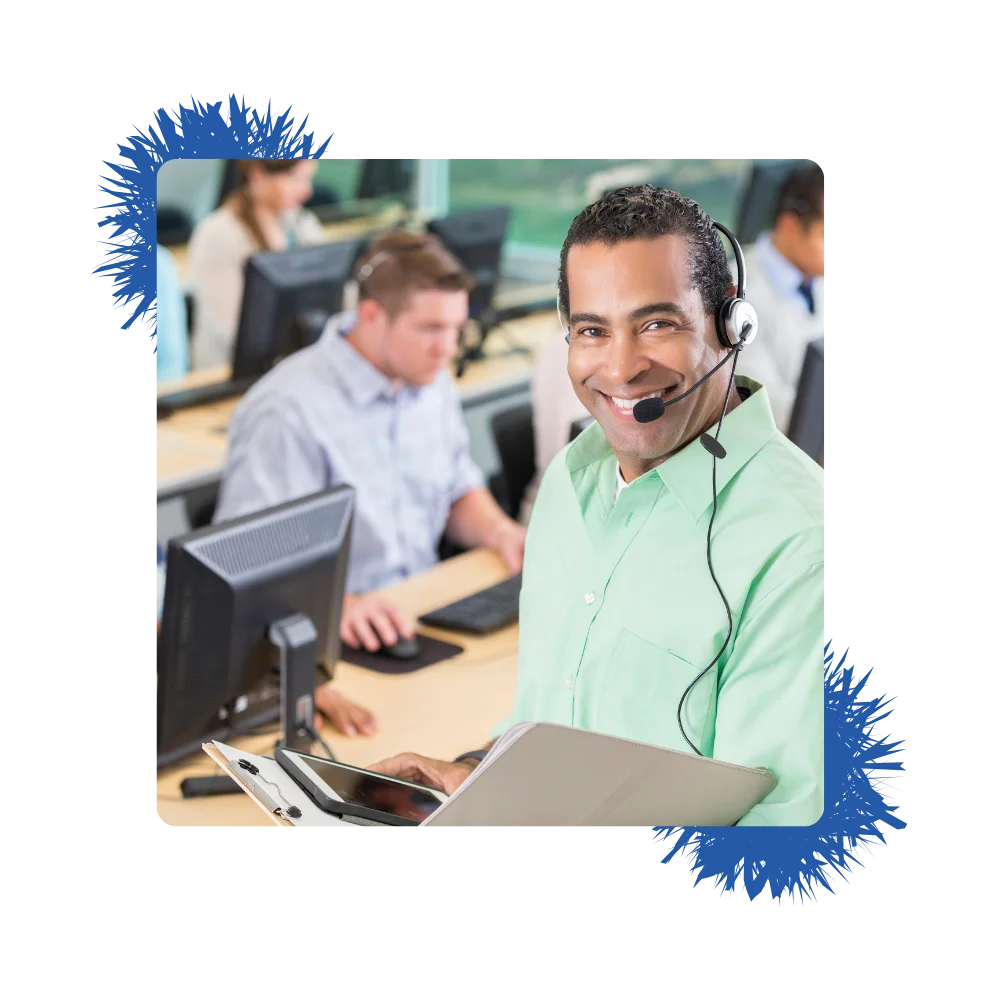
x=191, y=444
x=440, y=710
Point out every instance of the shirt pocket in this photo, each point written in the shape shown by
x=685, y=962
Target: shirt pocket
x=642, y=688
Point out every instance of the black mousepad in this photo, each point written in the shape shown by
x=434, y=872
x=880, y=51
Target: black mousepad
x=431, y=651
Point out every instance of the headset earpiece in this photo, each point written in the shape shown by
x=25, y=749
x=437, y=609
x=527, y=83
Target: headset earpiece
x=735, y=313
x=732, y=317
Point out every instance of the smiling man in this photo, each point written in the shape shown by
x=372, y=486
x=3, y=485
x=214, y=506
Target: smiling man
x=620, y=614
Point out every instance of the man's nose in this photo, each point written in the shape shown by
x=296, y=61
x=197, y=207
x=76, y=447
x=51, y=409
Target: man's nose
x=624, y=361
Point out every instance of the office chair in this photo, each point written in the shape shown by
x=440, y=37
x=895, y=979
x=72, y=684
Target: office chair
x=200, y=503
x=806, y=426
x=515, y=440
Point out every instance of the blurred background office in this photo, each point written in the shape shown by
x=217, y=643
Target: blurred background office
x=506, y=220
x=254, y=259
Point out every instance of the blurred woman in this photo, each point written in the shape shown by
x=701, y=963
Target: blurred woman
x=264, y=213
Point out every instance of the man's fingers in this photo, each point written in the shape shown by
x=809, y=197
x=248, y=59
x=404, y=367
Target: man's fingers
x=347, y=633
x=383, y=626
x=401, y=622
x=366, y=634
x=341, y=720
x=363, y=720
x=408, y=766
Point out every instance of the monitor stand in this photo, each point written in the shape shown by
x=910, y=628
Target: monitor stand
x=295, y=638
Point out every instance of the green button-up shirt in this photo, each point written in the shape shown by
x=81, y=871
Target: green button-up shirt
x=619, y=612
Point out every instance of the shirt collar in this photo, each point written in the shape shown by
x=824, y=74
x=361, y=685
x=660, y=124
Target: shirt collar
x=361, y=380
x=688, y=474
x=781, y=272
x=620, y=483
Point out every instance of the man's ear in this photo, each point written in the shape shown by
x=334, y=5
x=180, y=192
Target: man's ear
x=731, y=294
x=369, y=312
x=788, y=225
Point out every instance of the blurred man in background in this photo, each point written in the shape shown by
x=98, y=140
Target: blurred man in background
x=372, y=404
x=785, y=285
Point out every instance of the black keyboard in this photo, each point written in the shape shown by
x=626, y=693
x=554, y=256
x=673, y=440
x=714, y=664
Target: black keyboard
x=483, y=612
x=200, y=395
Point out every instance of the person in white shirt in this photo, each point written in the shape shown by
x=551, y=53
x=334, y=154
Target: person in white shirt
x=554, y=410
x=784, y=275
x=264, y=213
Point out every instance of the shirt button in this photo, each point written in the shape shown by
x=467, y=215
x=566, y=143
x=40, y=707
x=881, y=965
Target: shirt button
x=569, y=683
x=590, y=598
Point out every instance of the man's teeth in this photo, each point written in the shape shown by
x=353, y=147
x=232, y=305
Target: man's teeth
x=627, y=404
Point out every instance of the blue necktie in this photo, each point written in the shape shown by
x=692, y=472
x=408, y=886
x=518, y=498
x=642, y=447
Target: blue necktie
x=806, y=291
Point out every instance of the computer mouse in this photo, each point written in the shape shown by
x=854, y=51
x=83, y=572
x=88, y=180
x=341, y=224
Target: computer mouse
x=402, y=649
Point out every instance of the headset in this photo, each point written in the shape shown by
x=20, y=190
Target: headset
x=736, y=326
x=735, y=320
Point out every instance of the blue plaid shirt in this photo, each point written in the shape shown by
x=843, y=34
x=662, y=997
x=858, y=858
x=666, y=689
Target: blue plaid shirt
x=325, y=416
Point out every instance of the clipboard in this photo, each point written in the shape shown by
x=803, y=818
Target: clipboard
x=245, y=781
x=270, y=788
x=542, y=774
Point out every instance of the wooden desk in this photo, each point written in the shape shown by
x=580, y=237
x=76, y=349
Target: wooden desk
x=191, y=444
x=440, y=710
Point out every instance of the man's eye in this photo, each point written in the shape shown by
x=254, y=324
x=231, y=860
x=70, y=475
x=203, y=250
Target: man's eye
x=590, y=331
x=662, y=324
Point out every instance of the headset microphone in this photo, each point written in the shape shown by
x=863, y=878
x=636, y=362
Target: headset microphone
x=648, y=410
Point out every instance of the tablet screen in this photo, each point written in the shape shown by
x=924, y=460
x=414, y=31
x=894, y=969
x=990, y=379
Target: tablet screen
x=375, y=791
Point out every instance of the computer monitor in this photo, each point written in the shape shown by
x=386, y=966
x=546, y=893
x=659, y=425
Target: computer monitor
x=386, y=179
x=760, y=197
x=476, y=239
x=287, y=298
x=806, y=426
x=251, y=605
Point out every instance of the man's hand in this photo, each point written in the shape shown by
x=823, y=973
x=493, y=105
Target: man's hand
x=440, y=774
x=372, y=621
x=347, y=717
x=507, y=540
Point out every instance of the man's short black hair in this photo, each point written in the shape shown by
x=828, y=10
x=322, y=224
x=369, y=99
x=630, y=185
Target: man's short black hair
x=645, y=212
x=802, y=195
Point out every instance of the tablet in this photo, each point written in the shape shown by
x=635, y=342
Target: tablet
x=341, y=789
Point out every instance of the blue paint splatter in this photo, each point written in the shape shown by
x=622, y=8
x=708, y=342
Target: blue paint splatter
x=797, y=859
x=198, y=132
